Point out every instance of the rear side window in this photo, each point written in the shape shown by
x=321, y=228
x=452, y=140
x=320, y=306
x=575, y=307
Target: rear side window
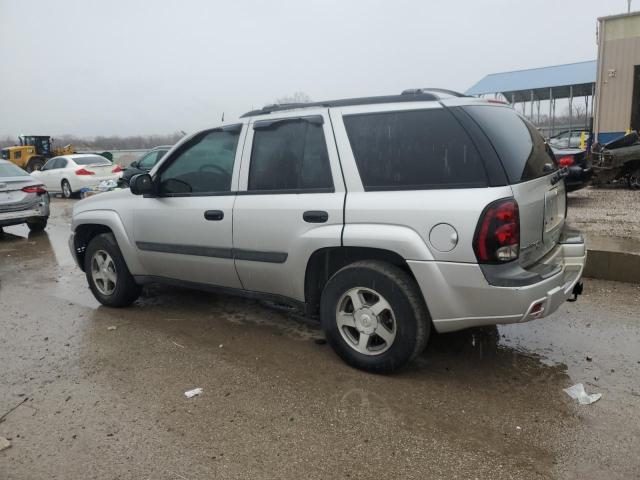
x=290, y=155
x=522, y=150
x=412, y=150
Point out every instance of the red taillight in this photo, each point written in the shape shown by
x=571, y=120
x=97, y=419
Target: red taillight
x=39, y=189
x=566, y=161
x=117, y=169
x=84, y=171
x=497, y=236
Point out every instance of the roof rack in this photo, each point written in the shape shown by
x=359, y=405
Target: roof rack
x=416, y=91
x=414, y=97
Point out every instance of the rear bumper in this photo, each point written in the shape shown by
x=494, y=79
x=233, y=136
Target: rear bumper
x=40, y=209
x=460, y=295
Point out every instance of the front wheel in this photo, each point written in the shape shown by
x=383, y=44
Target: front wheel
x=36, y=163
x=374, y=316
x=107, y=273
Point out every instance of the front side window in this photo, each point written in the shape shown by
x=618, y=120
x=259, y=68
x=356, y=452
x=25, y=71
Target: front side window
x=203, y=165
x=413, y=150
x=522, y=150
x=290, y=155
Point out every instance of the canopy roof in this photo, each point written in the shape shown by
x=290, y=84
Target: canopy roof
x=517, y=85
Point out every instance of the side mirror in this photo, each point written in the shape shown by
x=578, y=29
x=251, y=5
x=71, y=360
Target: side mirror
x=141, y=184
x=134, y=164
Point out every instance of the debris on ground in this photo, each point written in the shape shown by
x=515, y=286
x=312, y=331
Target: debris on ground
x=193, y=393
x=13, y=408
x=4, y=443
x=578, y=392
x=177, y=344
x=112, y=327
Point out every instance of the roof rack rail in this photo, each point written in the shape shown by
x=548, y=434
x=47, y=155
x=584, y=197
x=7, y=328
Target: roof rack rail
x=416, y=91
x=417, y=97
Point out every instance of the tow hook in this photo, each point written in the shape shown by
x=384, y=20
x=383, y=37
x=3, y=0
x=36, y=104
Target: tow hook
x=577, y=290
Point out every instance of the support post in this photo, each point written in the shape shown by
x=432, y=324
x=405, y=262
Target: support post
x=570, y=111
x=550, y=113
x=531, y=109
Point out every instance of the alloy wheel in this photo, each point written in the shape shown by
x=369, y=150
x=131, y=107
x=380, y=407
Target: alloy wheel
x=366, y=321
x=103, y=272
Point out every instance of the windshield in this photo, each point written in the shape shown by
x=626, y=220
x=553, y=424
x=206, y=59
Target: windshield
x=10, y=170
x=91, y=160
x=522, y=150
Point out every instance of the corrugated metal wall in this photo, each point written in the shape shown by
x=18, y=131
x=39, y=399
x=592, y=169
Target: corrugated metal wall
x=618, y=53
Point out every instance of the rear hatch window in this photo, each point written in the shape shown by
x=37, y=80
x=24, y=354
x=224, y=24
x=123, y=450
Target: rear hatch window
x=521, y=148
x=413, y=150
x=528, y=163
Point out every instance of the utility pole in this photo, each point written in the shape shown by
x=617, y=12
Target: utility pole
x=628, y=6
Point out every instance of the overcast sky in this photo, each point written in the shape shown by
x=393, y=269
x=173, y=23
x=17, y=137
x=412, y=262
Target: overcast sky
x=128, y=67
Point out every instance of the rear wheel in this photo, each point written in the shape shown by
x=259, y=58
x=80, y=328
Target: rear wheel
x=374, y=317
x=107, y=274
x=66, y=189
x=35, y=163
x=37, y=224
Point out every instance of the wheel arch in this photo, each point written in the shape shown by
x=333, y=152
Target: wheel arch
x=325, y=262
x=87, y=225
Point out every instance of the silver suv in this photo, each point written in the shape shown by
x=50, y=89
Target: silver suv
x=383, y=217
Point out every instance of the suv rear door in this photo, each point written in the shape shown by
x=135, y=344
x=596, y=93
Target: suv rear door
x=290, y=201
x=532, y=172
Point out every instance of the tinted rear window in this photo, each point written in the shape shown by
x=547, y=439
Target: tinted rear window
x=10, y=170
x=92, y=160
x=522, y=150
x=415, y=149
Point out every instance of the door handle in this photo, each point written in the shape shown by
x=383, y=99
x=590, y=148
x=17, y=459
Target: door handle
x=214, y=215
x=315, y=216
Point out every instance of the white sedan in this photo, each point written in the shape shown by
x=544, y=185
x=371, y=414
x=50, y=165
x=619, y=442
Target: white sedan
x=71, y=173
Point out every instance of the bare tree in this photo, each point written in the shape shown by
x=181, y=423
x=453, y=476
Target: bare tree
x=297, y=97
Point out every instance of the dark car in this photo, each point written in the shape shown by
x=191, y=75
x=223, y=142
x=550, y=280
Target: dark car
x=568, y=139
x=579, y=165
x=144, y=164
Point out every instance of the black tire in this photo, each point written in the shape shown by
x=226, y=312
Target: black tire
x=126, y=289
x=65, y=187
x=37, y=224
x=412, y=321
x=35, y=163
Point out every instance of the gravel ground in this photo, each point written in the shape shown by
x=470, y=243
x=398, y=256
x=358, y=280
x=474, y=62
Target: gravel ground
x=606, y=212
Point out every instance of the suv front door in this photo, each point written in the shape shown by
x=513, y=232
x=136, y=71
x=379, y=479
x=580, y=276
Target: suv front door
x=183, y=231
x=290, y=201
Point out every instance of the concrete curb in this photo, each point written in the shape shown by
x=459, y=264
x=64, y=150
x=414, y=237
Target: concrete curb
x=611, y=258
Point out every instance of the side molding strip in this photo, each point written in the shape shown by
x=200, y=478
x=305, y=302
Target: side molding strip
x=200, y=251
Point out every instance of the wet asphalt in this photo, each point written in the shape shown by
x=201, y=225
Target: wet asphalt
x=277, y=403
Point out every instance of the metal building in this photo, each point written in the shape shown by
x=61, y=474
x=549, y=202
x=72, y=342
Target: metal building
x=618, y=78
x=526, y=89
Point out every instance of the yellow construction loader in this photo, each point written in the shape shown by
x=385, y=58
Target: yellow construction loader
x=33, y=151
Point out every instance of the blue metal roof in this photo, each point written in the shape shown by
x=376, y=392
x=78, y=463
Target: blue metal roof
x=517, y=82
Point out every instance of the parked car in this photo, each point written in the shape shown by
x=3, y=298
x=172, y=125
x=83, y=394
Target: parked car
x=579, y=167
x=23, y=199
x=69, y=174
x=144, y=164
x=384, y=217
x=568, y=138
